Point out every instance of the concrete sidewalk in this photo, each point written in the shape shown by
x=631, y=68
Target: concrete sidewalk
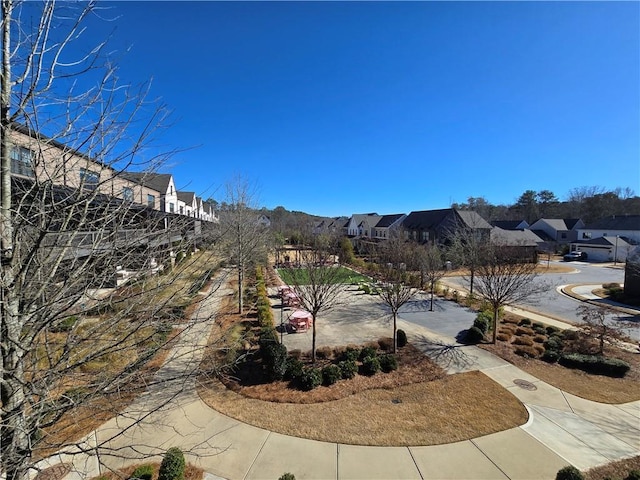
x=562, y=429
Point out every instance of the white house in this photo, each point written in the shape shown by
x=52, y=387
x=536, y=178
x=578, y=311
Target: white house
x=361, y=225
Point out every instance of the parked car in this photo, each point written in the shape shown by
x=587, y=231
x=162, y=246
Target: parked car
x=575, y=255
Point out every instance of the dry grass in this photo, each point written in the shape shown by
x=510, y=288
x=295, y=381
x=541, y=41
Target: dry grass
x=619, y=469
x=191, y=472
x=597, y=388
x=454, y=408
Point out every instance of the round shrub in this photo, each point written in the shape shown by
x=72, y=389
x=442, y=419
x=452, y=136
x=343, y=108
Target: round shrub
x=570, y=335
x=331, y=374
x=523, y=341
x=287, y=476
x=143, y=472
x=554, y=343
x=539, y=338
x=474, y=335
x=310, y=378
x=526, y=351
x=633, y=475
x=569, y=473
x=504, y=337
x=351, y=354
x=370, y=365
x=348, y=368
x=294, y=369
x=367, y=352
x=401, y=338
x=275, y=360
x=324, y=352
x=524, y=322
x=385, y=344
x=551, y=356
x=524, y=331
x=388, y=363
x=172, y=466
x=552, y=330
x=483, y=320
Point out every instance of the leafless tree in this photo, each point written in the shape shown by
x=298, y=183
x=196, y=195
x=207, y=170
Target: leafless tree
x=430, y=263
x=246, y=239
x=598, y=324
x=505, y=279
x=467, y=243
x=318, y=284
x=68, y=220
x=395, y=292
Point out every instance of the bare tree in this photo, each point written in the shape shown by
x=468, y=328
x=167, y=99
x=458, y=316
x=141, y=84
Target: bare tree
x=505, y=279
x=430, y=263
x=395, y=292
x=597, y=323
x=246, y=240
x=318, y=284
x=69, y=220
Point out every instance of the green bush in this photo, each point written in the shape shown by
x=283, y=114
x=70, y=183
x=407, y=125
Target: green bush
x=351, y=354
x=143, y=472
x=310, y=378
x=287, y=476
x=474, y=335
x=483, y=321
x=555, y=343
x=172, y=466
x=294, y=368
x=570, y=335
x=401, y=338
x=348, y=368
x=331, y=374
x=368, y=352
x=551, y=356
x=388, y=363
x=64, y=325
x=569, y=473
x=633, y=475
x=275, y=360
x=611, y=367
x=550, y=330
x=525, y=322
x=370, y=365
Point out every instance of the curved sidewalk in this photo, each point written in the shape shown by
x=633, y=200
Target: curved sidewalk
x=562, y=429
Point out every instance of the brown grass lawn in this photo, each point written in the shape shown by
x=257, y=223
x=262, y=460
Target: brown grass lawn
x=619, y=469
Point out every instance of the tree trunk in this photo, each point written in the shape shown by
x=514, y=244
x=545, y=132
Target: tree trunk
x=395, y=330
x=495, y=324
x=313, y=341
x=431, y=307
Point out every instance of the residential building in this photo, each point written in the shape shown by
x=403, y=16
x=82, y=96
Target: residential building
x=439, y=226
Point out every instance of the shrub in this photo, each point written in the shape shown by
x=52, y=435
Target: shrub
x=310, y=378
x=598, y=365
x=287, y=476
x=293, y=369
x=388, y=363
x=172, y=466
x=331, y=374
x=401, y=338
x=367, y=352
x=523, y=341
x=570, y=335
x=324, y=352
x=540, y=338
x=370, y=365
x=539, y=349
x=554, y=343
x=64, y=325
x=504, y=337
x=474, y=335
x=633, y=475
x=552, y=330
x=481, y=324
x=524, y=331
x=569, y=473
x=526, y=351
x=385, y=344
x=551, y=356
x=143, y=472
x=348, y=368
x=524, y=322
x=295, y=353
x=275, y=360
x=536, y=325
x=351, y=354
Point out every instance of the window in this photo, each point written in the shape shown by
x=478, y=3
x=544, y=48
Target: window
x=151, y=201
x=181, y=210
x=127, y=194
x=171, y=207
x=586, y=235
x=563, y=235
x=89, y=179
x=22, y=161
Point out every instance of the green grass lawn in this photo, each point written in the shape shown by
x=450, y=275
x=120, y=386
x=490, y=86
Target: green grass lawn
x=300, y=276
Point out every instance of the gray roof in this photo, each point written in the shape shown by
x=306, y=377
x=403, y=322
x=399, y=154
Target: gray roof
x=186, y=197
x=509, y=224
x=616, y=222
x=606, y=241
x=157, y=181
x=388, y=220
x=520, y=238
x=431, y=219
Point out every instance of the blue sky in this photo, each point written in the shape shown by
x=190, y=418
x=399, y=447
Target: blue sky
x=335, y=108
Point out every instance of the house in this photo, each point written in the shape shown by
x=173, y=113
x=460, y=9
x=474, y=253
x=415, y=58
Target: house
x=557, y=231
x=510, y=224
x=387, y=225
x=160, y=182
x=604, y=249
x=632, y=274
x=623, y=226
x=264, y=221
x=520, y=244
x=438, y=226
x=187, y=204
x=331, y=226
x=362, y=224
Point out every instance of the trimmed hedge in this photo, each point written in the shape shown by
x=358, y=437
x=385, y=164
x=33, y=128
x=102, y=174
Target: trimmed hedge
x=401, y=338
x=367, y=352
x=611, y=367
x=388, y=363
x=370, y=365
x=310, y=378
x=293, y=369
x=474, y=335
x=569, y=473
x=143, y=472
x=348, y=368
x=331, y=374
